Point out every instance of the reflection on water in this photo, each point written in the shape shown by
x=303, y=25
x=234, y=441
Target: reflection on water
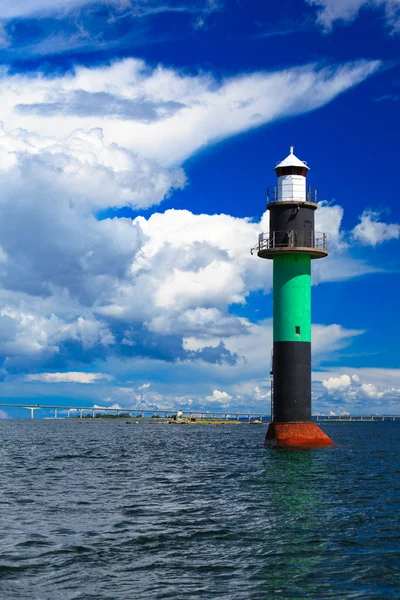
x=293, y=509
x=100, y=510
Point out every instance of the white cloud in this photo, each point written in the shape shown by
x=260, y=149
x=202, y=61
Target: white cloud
x=110, y=406
x=28, y=335
x=92, y=173
x=371, y=231
x=369, y=391
x=71, y=377
x=365, y=391
x=82, y=24
x=219, y=398
x=347, y=11
x=143, y=387
x=189, y=270
x=340, y=266
x=331, y=338
x=200, y=321
x=328, y=219
x=262, y=393
x=209, y=284
x=164, y=115
x=136, y=8
x=22, y=8
x=337, y=384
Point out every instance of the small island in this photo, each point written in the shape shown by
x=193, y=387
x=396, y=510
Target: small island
x=174, y=419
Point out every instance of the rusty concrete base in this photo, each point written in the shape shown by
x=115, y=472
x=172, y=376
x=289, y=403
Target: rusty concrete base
x=297, y=435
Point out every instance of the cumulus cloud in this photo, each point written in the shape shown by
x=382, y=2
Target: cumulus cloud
x=72, y=377
x=84, y=169
x=160, y=287
x=143, y=387
x=261, y=393
x=328, y=219
x=347, y=11
x=363, y=392
x=110, y=406
x=200, y=321
x=27, y=337
x=337, y=384
x=371, y=231
x=219, y=398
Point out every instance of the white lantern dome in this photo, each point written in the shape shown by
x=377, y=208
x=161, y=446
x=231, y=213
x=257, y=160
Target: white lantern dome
x=292, y=174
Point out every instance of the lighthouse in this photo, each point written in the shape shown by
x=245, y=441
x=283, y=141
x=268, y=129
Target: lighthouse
x=291, y=244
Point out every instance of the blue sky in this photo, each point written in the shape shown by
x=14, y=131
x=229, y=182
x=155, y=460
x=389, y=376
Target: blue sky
x=138, y=140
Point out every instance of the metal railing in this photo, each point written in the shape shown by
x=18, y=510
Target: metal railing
x=310, y=196
x=291, y=239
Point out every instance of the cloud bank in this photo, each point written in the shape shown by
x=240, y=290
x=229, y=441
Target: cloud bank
x=144, y=299
x=360, y=391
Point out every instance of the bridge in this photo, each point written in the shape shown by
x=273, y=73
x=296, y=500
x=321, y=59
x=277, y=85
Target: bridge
x=91, y=412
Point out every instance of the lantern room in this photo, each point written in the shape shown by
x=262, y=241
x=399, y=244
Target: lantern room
x=292, y=174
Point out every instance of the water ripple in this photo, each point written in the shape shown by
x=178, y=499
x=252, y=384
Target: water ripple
x=116, y=512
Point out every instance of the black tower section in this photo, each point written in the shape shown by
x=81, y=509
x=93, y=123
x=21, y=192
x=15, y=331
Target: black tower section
x=292, y=382
x=292, y=222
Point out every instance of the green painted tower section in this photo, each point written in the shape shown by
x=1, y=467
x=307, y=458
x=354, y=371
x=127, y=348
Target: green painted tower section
x=292, y=297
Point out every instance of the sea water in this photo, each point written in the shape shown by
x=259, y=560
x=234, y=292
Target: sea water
x=99, y=509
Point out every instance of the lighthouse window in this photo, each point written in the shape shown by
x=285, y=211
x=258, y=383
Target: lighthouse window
x=297, y=330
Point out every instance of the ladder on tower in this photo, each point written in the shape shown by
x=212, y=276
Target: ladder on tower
x=272, y=385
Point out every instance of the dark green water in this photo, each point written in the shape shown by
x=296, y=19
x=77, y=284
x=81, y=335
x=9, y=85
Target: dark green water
x=96, y=510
